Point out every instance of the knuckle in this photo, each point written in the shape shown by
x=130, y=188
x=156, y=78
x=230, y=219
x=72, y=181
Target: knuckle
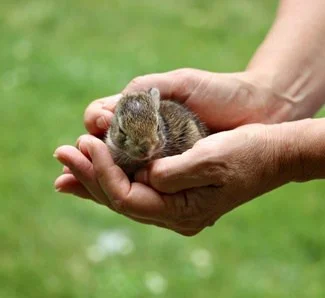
x=89, y=117
x=216, y=171
x=185, y=210
x=187, y=206
x=159, y=177
x=99, y=172
x=87, y=168
x=118, y=206
x=209, y=222
x=80, y=168
x=183, y=71
x=218, y=174
x=188, y=233
x=135, y=83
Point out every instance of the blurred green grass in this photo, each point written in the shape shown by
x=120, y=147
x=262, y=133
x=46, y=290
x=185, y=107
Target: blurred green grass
x=55, y=57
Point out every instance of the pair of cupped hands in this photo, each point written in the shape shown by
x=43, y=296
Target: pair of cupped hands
x=188, y=192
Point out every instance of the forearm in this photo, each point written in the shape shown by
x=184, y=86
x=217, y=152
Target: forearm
x=291, y=60
x=299, y=148
x=311, y=149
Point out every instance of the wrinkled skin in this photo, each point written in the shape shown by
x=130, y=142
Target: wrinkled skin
x=229, y=169
x=187, y=192
x=223, y=101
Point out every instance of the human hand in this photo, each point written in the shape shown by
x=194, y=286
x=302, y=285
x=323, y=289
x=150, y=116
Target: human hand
x=222, y=101
x=186, y=192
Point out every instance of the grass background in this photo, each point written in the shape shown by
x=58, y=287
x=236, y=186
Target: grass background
x=55, y=57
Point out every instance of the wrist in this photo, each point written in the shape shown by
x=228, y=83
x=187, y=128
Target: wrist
x=310, y=135
x=299, y=148
x=300, y=94
x=291, y=59
x=274, y=105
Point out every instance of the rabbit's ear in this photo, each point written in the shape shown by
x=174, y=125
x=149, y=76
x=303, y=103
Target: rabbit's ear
x=155, y=95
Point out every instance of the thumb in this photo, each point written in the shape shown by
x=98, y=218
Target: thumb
x=162, y=81
x=175, y=173
x=177, y=84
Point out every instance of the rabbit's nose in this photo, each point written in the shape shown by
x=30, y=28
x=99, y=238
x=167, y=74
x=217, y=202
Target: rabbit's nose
x=143, y=150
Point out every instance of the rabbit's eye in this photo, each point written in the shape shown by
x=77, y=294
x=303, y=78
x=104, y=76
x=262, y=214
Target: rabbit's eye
x=122, y=131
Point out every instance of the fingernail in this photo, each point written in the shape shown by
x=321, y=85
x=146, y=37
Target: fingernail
x=58, y=189
x=141, y=176
x=84, y=143
x=111, y=101
x=101, y=123
x=59, y=159
x=79, y=140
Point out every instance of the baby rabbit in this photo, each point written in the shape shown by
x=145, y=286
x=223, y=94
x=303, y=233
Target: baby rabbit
x=145, y=128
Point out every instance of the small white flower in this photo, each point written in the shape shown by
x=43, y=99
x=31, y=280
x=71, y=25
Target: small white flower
x=95, y=254
x=155, y=283
x=110, y=243
x=202, y=260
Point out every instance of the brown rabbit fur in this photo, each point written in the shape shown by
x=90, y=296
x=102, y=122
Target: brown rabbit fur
x=145, y=128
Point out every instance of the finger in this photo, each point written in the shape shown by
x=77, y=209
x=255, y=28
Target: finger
x=131, y=199
x=66, y=170
x=187, y=232
x=177, y=84
x=82, y=169
x=99, y=114
x=148, y=221
x=83, y=149
x=179, y=172
x=162, y=81
x=67, y=183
